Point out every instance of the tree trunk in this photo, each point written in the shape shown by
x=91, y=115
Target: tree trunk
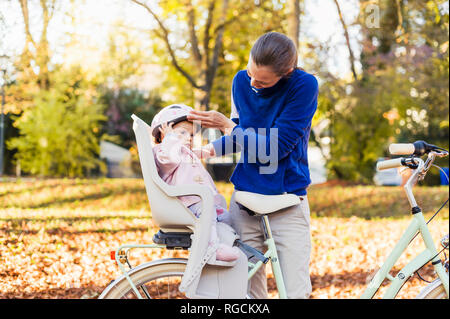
x=347, y=39
x=212, y=66
x=42, y=55
x=201, y=99
x=294, y=21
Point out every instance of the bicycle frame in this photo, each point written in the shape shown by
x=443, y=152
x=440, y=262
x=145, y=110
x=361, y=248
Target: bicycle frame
x=271, y=254
x=418, y=224
x=120, y=261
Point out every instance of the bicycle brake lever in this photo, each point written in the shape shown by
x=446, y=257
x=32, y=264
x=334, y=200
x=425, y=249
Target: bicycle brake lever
x=412, y=164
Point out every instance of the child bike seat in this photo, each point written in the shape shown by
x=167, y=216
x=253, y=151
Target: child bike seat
x=265, y=204
x=204, y=277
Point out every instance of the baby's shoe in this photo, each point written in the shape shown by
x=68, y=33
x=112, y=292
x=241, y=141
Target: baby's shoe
x=227, y=253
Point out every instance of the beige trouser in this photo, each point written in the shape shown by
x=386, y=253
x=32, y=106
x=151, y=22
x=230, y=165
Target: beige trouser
x=291, y=232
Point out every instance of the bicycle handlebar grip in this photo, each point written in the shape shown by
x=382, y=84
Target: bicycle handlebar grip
x=402, y=149
x=392, y=163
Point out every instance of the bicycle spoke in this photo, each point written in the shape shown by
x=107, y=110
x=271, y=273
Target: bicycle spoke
x=144, y=289
x=168, y=289
x=159, y=294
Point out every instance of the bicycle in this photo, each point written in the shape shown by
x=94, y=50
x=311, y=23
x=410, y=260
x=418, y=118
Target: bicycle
x=161, y=278
x=439, y=287
x=137, y=280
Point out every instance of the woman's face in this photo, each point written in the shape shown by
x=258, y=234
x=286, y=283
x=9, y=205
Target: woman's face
x=261, y=76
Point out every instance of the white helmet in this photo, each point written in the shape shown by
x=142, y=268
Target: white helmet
x=174, y=113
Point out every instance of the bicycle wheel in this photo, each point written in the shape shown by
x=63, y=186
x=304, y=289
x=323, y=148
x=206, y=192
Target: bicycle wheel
x=435, y=290
x=154, y=280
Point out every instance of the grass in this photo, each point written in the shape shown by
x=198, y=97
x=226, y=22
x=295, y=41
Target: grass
x=56, y=234
x=366, y=202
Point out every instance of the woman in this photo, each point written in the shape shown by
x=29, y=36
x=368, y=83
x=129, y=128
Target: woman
x=273, y=103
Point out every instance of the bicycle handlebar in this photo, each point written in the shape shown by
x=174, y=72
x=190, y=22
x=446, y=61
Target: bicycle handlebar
x=392, y=163
x=417, y=148
x=402, y=149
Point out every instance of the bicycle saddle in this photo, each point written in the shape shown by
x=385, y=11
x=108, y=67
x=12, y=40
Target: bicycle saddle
x=265, y=204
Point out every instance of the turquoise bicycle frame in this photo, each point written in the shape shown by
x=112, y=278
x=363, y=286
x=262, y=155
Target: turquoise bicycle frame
x=430, y=253
x=272, y=255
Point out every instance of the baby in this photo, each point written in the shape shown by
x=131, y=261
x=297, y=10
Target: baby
x=178, y=164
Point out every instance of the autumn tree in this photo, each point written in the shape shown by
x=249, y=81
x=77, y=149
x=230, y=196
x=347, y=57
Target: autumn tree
x=33, y=64
x=59, y=135
x=58, y=112
x=204, y=51
x=205, y=40
x=122, y=64
x=397, y=95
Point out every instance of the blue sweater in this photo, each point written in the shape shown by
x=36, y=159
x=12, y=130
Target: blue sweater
x=272, y=134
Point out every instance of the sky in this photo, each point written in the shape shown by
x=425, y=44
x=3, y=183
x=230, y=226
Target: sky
x=95, y=18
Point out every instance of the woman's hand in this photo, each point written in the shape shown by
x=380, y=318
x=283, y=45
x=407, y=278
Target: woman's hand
x=212, y=119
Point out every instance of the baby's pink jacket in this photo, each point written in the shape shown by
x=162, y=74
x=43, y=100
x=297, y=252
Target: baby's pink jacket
x=178, y=165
